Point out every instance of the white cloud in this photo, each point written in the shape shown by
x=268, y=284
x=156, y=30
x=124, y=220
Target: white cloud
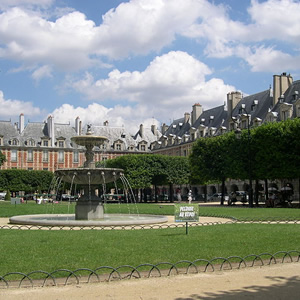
x=96, y=114
x=13, y=108
x=171, y=82
x=42, y=72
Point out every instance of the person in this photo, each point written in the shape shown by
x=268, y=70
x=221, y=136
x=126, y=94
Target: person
x=271, y=201
x=178, y=195
x=190, y=198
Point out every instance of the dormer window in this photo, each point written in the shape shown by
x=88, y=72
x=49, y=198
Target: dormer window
x=286, y=111
x=254, y=105
x=14, y=142
x=1, y=140
x=118, y=146
x=45, y=143
x=61, y=144
x=30, y=143
x=296, y=96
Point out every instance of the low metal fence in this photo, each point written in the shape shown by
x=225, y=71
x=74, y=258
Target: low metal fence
x=60, y=277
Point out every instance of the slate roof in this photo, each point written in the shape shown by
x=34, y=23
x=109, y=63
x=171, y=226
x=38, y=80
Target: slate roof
x=8, y=132
x=264, y=103
x=178, y=128
x=113, y=134
x=214, y=117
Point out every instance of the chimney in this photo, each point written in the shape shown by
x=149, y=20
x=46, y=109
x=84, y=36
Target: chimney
x=186, y=117
x=142, y=130
x=153, y=129
x=280, y=84
x=197, y=112
x=164, y=128
x=233, y=99
x=77, y=125
x=105, y=123
x=21, y=123
x=50, y=123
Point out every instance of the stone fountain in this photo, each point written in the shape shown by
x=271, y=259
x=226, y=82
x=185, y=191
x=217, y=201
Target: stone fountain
x=89, y=209
x=89, y=206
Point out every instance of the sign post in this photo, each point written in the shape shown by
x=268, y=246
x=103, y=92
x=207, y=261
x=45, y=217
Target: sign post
x=186, y=213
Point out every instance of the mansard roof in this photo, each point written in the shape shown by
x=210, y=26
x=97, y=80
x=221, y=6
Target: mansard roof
x=178, y=128
x=148, y=135
x=257, y=105
x=8, y=131
x=113, y=134
x=214, y=117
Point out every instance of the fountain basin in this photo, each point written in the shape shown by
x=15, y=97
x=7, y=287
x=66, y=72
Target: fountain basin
x=69, y=220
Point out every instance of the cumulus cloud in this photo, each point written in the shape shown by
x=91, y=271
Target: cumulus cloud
x=138, y=27
x=42, y=72
x=13, y=108
x=173, y=81
x=118, y=116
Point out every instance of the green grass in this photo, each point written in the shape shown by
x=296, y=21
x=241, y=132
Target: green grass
x=240, y=213
x=29, y=250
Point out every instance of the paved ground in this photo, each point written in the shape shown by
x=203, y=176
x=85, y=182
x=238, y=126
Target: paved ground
x=274, y=282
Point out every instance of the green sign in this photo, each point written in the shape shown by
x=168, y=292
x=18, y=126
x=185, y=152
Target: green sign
x=186, y=212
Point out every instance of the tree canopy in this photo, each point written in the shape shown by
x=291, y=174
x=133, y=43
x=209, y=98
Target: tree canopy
x=270, y=152
x=143, y=170
x=2, y=158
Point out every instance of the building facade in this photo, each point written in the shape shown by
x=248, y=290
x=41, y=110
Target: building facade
x=48, y=145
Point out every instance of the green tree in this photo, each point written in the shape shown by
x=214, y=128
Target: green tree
x=2, y=158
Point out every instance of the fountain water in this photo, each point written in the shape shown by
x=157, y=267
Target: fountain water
x=89, y=210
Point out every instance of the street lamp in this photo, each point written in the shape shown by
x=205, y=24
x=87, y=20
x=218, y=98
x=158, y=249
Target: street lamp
x=238, y=135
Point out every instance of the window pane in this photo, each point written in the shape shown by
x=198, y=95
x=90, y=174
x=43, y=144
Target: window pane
x=45, y=155
x=14, y=155
x=29, y=155
x=60, y=156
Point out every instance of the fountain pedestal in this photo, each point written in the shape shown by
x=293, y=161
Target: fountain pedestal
x=89, y=210
x=89, y=205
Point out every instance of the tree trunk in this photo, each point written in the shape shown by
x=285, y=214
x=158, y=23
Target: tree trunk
x=171, y=192
x=223, y=191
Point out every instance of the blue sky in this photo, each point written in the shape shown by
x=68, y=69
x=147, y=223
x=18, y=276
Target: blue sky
x=139, y=61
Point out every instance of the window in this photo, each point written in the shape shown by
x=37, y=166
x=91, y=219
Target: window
x=61, y=155
x=30, y=155
x=15, y=142
x=45, y=155
x=75, y=156
x=143, y=148
x=104, y=158
x=1, y=141
x=31, y=142
x=45, y=143
x=29, y=168
x=61, y=144
x=118, y=146
x=14, y=155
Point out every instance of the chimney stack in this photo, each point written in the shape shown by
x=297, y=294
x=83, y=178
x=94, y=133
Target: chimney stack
x=77, y=125
x=233, y=99
x=197, y=112
x=21, y=123
x=142, y=130
x=186, y=117
x=51, y=134
x=280, y=84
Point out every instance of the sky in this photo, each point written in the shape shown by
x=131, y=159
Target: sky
x=139, y=61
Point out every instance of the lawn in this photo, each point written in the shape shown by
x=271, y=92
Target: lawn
x=28, y=250
x=49, y=250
